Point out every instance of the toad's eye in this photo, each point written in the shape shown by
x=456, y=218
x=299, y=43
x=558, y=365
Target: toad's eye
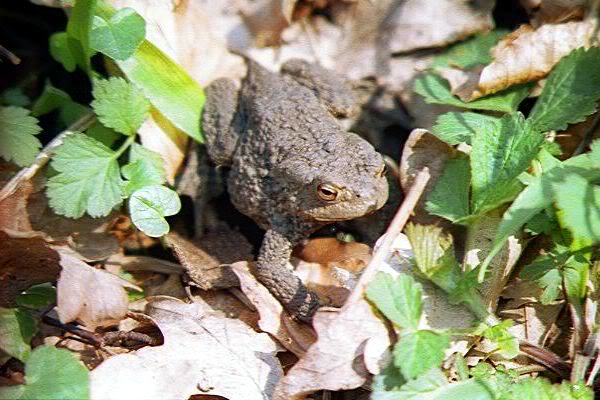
x=382, y=171
x=327, y=192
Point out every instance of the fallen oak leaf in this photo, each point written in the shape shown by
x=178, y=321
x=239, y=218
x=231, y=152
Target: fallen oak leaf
x=93, y=296
x=202, y=354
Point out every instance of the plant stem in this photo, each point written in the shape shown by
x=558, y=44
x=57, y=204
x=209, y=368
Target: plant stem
x=124, y=147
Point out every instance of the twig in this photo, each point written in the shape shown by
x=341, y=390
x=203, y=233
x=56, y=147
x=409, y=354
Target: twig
x=546, y=357
x=10, y=55
x=42, y=158
x=392, y=232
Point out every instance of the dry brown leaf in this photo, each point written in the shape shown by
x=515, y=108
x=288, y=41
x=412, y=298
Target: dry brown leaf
x=502, y=265
x=526, y=55
x=24, y=262
x=294, y=336
x=336, y=361
x=417, y=24
x=554, y=11
x=421, y=150
x=13, y=209
x=202, y=354
x=93, y=296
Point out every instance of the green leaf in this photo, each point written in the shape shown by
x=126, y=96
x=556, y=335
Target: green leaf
x=459, y=127
x=436, y=90
x=119, y=36
x=471, y=52
x=580, y=202
x=501, y=152
x=17, y=135
x=51, y=373
x=450, y=196
x=570, y=93
x=78, y=32
x=88, y=178
x=506, y=343
x=433, y=385
x=389, y=379
x=119, y=105
x=540, y=388
x=148, y=207
x=51, y=99
x=434, y=255
x=104, y=135
x=37, y=296
x=400, y=299
x=62, y=52
x=145, y=168
x=419, y=351
x=17, y=328
x=545, y=272
x=14, y=96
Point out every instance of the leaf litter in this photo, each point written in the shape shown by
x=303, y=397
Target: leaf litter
x=209, y=347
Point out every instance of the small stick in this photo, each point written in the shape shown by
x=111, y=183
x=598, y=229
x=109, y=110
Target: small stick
x=396, y=226
x=546, y=357
x=42, y=158
x=10, y=55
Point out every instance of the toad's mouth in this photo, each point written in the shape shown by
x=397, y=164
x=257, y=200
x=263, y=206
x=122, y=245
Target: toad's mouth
x=343, y=215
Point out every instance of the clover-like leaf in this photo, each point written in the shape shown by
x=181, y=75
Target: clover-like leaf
x=148, y=207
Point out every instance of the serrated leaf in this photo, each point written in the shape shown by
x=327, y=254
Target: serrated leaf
x=501, y=152
x=119, y=36
x=506, y=344
x=104, y=135
x=17, y=328
x=419, y=351
x=450, y=197
x=37, y=296
x=62, y=52
x=400, y=299
x=88, y=180
x=580, y=202
x=544, y=271
x=17, y=135
x=51, y=99
x=119, y=105
x=540, y=388
x=145, y=168
x=148, y=207
x=470, y=52
x=436, y=90
x=51, y=373
x=434, y=386
x=459, y=127
x=570, y=93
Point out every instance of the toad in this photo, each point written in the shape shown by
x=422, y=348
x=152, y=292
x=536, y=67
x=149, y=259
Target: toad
x=293, y=169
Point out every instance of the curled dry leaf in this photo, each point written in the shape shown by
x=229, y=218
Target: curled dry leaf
x=421, y=150
x=294, y=336
x=202, y=354
x=524, y=56
x=93, y=296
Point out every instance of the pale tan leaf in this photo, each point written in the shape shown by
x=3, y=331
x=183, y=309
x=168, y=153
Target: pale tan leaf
x=335, y=361
x=93, y=296
x=417, y=24
x=294, y=336
x=526, y=55
x=201, y=354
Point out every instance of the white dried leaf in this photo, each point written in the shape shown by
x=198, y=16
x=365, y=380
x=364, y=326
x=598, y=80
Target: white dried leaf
x=202, y=354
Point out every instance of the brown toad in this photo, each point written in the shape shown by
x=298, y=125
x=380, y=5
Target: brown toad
x=293, y=168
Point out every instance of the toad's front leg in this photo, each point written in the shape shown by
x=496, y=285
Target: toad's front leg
x=273, y=271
